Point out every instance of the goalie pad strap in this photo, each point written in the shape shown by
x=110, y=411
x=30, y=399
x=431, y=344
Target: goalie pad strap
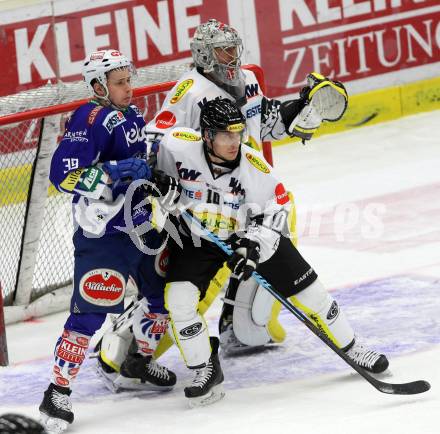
x=236, y=303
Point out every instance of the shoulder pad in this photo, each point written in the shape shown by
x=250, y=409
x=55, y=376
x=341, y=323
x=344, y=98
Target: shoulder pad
x=112, y=120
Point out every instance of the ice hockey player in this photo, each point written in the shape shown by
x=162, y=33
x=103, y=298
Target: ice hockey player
x=234, y=191
x=102, y=152
x=216, y=50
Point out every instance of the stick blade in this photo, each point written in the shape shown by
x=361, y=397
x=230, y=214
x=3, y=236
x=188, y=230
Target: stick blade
x=412, y=388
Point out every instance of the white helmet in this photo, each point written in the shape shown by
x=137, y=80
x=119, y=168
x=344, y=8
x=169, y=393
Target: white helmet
x=99, y=63
x=214, y=34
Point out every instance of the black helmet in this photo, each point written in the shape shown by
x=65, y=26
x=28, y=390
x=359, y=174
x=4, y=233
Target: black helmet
x=221, y=115
x=18, y=424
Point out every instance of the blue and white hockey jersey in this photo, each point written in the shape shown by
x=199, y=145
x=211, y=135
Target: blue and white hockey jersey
x=96, y=134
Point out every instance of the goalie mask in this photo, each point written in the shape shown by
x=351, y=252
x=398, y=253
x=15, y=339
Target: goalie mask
x=222, y=118
x=99, y=63
x=217, y=48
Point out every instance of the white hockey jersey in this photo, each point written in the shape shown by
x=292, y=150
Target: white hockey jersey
x=184, y=101
x=226, y=201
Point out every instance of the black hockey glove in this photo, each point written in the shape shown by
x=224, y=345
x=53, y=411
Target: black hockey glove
x=167, y=187
x=244, y=260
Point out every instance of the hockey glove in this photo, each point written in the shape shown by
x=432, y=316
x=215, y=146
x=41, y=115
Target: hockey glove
x=244, y=260
x=165, y=191
x=322, y=100
x=168, y=186
x=126, y=171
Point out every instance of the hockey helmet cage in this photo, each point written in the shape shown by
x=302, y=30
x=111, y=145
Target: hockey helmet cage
x=210, y=36
x=99, y=63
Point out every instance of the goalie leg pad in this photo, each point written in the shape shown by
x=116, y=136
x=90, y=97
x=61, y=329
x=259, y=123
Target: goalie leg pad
x=114, y=344
x=316, y=302
x=246, y=329
x=189, y=327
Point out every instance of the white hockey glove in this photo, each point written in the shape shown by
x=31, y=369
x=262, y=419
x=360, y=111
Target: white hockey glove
x=323, y=99
x=244, y=260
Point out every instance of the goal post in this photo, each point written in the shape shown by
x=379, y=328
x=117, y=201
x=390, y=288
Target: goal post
x=35, y=219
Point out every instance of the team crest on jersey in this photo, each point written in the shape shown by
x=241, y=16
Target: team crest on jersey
x=112, y=120
x=183, y=135
x=257, y=163
x=102, y=287
x=181, y=90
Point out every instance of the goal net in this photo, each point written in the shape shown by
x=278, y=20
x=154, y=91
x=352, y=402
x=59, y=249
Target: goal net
x=35, y=219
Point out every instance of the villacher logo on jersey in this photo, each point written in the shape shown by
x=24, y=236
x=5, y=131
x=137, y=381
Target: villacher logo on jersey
x=102, y=287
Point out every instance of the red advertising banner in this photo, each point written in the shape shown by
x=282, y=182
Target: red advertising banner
x=344, y=39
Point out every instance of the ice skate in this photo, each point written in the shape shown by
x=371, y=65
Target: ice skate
x=231, y=346
x=370, y=360
x=144, y=373
x=107, y=374
x=206, y=387
x=56, y=409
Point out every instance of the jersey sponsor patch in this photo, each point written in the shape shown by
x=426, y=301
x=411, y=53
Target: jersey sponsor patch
x=112, y=120
x=217, y=222
x=90, y=178
x=76, y=136
x=257, y=163
x=181, y=90
x=165, y=120
x=102, y=287
x=71, y=180
x=93, y=114
x=281, y=194
x=183, y=135
x=187, y=174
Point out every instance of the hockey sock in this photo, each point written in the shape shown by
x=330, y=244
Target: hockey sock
x=70, y=352
x=148, y=328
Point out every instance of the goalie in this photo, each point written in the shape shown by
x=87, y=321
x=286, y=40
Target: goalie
x=216, y=50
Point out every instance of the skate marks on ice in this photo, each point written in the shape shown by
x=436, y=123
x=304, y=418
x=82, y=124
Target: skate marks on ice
x=397, y=316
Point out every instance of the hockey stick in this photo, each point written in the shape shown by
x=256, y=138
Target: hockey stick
x=411, y=388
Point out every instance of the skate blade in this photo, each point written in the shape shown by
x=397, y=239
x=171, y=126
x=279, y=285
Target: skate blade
x=124, y=383
x=108, y=379
x=53, y=425
x=215, y=394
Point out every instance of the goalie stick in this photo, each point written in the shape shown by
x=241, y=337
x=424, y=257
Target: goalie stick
x=411, y=388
